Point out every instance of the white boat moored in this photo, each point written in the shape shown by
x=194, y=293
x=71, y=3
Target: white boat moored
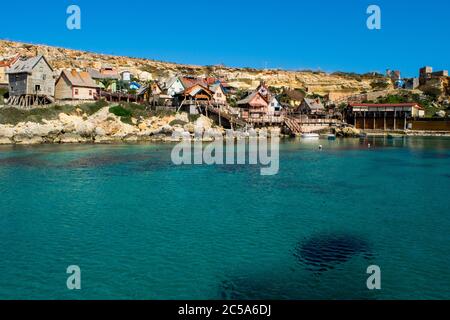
x=310, y=136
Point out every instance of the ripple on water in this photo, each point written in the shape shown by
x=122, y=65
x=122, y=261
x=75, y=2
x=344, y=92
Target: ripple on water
x=282, y=284
x=323, y=252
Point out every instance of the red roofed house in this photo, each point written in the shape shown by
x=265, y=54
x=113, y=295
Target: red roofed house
x=195, y=96
x=254, y=106
x=179, y=84
x=74, y=85
x=4, y=65
x=383, y=116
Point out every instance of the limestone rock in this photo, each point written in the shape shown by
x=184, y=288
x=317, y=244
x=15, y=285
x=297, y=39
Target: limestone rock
x=440, y=114
x=203, y=123
x=183, y=116
x=6, y=131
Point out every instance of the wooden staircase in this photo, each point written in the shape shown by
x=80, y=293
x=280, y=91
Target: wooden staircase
x=226, y=114
x=292, y=124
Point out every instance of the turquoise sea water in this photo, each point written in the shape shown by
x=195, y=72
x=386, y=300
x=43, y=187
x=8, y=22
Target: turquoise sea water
x=141, y=228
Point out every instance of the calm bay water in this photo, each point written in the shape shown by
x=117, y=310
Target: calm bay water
x=142, y=228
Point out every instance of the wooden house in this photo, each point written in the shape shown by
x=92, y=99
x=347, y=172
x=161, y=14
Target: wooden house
x=253, y=106
x=156, y=88
x=294, y=97
x=383, y=116
x=126, y=76
x=175, y=86
x=312, y=107
x=154, y=95
x=31, y=82
x=74, y=85
x=106, y=74
x=219, y=95
x=195, y=97
x=229, y=89
x=178, y=85
x=263, y=89
x=275, y=107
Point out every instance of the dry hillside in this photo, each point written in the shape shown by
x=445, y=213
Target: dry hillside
x=314, y=82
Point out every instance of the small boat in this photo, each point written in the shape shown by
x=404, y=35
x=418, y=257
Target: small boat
x=310, y=136
x=331, y=136
x=395, y=136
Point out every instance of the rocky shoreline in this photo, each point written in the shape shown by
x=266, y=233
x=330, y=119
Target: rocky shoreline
x=105, y=127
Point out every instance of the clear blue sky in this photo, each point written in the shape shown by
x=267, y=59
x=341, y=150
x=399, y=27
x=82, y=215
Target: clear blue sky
x=290, y=34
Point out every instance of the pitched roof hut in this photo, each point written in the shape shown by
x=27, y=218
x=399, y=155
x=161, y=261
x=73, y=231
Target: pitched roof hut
x=74, y=85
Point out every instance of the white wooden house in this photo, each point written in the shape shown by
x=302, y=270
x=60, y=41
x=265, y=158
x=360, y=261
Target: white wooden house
x=126, y=76
x=175, y=86
x=274, y=107
x=219, y=96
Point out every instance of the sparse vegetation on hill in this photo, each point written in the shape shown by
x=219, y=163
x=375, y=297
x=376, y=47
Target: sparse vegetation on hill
x=244, y=78
x=14, y=115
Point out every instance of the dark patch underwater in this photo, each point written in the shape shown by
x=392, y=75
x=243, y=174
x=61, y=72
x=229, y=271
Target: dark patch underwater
x=324, y=252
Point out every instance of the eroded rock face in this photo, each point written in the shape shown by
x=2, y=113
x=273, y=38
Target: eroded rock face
x=105, y=127
x=6, y=131
x=101, y=127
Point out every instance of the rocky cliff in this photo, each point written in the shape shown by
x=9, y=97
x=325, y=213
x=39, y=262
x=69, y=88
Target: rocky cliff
x=244, y=78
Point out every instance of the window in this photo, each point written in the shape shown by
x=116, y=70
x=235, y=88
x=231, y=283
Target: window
x=37, y=88
x=90, y=92
x=44, y=77
x=76, y=92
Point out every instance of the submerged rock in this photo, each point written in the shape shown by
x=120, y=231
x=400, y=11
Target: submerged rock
x=323, y=252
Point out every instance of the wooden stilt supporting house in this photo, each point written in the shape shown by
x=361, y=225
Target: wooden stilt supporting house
x=31, y=83
x=196, y=98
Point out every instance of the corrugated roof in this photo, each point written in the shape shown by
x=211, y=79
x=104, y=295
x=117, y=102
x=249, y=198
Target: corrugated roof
x=26, y=65
x=95, y=74
x=314, y=104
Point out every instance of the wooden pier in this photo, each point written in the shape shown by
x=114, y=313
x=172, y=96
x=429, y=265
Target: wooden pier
x=117, y=96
